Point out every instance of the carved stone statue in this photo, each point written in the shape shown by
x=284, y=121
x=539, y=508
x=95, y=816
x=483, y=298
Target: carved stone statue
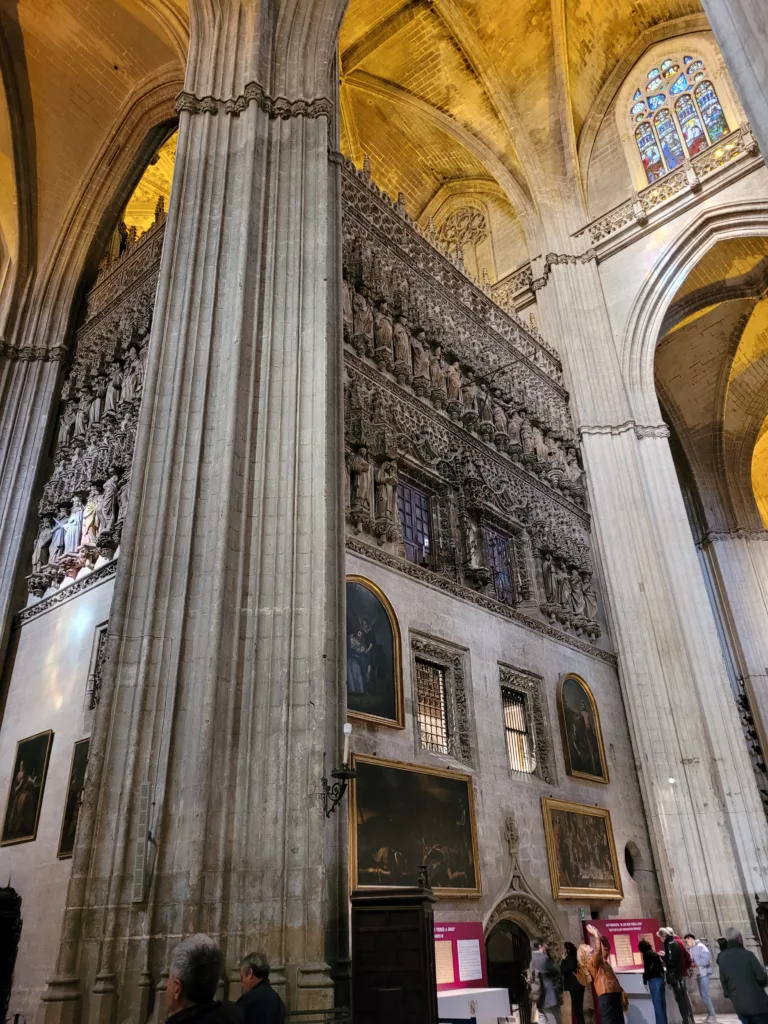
x=402, y=347
x=453, y=382
x=563, y=586
x=98, y=391
x=73, y=532
x=437, y=381
x=347, y=305
x=42, y=547
x=590, y=597
x=122, y=499
x=514, y=424
x=112, y=397
x=539, y=446
x=420, y=363
x=109, y=502
x=59, y=538
x=573, y=471
x=527, y=438
x=577, y=594
x=383, y=335
x=81, y=416
x=549, y=577
x=499, y=416
x=386, y=486
x=360, y=469
x=66, y=423
x=130, y=376
x=91, y=518
x=362, y=322
x=468, y=397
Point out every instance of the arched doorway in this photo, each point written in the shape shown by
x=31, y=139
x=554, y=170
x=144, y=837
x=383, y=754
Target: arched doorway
x=508, y=953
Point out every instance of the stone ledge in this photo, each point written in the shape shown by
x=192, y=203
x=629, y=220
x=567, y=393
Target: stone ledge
x=64, y=594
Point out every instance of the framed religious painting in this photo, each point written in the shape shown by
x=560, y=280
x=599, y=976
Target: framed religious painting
x=72, y=803
x=405, y=816
x=374, y=676
x=25, y=793
x=581, y=851
x=580, y=726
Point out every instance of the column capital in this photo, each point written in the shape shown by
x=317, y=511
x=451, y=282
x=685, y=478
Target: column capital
x=274, y=107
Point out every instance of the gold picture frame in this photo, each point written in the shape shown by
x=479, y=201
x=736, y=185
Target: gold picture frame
x=584, y=754
x=397, y=719
x=385, y=794
x=71, y=811
x=568, y=838
x=26, y=789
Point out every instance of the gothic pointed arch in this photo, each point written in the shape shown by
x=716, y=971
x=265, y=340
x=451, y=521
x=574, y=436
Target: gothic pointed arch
x=530, y=914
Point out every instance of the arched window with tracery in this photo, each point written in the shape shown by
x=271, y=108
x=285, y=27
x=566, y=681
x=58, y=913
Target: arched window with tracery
x=675, y=114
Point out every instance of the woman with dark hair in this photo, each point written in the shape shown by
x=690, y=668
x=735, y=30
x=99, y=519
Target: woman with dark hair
x=653, y=978
x=575, y=981
x=610, y=994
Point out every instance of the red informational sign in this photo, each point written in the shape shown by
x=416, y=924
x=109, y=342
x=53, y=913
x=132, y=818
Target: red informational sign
x=624, y=936
x=460, y=955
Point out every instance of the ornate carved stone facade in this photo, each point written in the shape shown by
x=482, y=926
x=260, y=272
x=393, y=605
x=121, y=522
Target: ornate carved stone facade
x=447, y=393
x=84, y=501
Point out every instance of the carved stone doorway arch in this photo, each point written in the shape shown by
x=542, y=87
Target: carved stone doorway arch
x=529, y=914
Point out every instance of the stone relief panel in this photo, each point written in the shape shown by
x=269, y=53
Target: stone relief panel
x=84, y=500
x=445, y=390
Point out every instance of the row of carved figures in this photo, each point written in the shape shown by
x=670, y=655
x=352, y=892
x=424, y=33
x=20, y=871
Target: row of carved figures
x=570, y=597
x=103, y=397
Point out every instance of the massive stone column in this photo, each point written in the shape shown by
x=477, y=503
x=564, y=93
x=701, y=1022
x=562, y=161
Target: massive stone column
x=741, y=30
x=704, y=814
x=221, y=694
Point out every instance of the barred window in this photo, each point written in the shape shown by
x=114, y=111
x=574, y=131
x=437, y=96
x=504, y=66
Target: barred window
x=416, y=523
x=499, y=563
x=520, y=750
x=433, y=720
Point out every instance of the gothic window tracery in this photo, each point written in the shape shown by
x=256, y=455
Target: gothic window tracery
x=675, y=115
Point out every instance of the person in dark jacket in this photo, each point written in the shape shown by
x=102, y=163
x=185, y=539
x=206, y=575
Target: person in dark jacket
x=676, y=967
x=194, y=974
x=653, y=978
x=542, y=964
x=743, y=979
x=722, y=942
x=574, y=982
x=259, y=1003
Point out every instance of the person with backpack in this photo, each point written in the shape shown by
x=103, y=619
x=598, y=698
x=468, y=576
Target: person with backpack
x=544, y=983
x=653, y=979
x=702, y=960
x=611, y=997
x=678, y=965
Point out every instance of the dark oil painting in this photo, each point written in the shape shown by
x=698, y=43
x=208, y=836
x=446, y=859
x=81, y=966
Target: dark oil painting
x=580, y=721
x=581, y=850
x=407, y=817
x=373, y=655
x=72, y=803
x=25, y=793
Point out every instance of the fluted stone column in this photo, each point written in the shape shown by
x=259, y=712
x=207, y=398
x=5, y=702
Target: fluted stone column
x=222, y=690
x=704, y=814
x=741, y=30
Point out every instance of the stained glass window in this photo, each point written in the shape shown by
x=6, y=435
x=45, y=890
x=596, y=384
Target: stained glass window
x=678, y=86
x=697, y=65
x=654, y=102
x=687, y=60
x=671, y=149
x=654, y=84
x=667, y=64
x=672, y=71
x=498, y=560
x=638, y=95
x=649, y=152
x=711, y=111
x=690, y=123
x=653, y=73
x=415, y=520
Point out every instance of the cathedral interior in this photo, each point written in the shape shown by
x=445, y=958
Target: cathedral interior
x=399, y=363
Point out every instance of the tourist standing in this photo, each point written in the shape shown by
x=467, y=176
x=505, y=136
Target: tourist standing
x=653, y=978
x=702, y=961
x=544, y=981
x=610, y=995
x=677, y=962
x=575, y=981
x=259, y=1003
x=193, y=977
x=743, y=979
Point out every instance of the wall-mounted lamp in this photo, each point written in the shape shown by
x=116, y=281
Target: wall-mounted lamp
x=332, y=795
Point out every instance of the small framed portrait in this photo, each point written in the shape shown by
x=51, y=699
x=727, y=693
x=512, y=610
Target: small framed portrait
x=72, y=803
x=25, y=793
x=581, y=851
x=580, y=726
x=374, y=676
x=406, y=815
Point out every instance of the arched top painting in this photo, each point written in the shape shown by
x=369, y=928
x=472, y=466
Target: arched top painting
x=374, y=680
x=580, y=725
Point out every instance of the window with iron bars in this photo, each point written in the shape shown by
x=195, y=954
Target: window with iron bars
x=416, y=523
x=497, y=545
x=520, y=749
x=432, y=714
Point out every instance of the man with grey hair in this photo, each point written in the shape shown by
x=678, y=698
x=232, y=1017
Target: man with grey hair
x=743, y=978
x=259, y=1003
x=192, y=982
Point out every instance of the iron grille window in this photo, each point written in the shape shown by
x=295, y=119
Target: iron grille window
x=415, y=521
x=522, y=757
x=498, y=561
x=433, y=721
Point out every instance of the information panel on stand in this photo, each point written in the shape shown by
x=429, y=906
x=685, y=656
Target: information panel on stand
x=624, y=936
x=460, y=955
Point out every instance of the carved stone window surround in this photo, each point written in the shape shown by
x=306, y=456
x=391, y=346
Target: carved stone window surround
x=454, y=661
x=531, y=687
x=96, y=665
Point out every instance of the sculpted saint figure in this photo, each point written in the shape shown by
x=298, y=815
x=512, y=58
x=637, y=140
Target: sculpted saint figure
x=420, y=356
x=514, y=423
x=549, y=578
x=81, y=416
x=539, y=445
x=383, y=327
x=469, y=392
x=73, y=533
x=109, y=504
x=99, y=390
x=42, y=544
x=499, y=416
x=573, y=471
x=577, y=594
x=590, y=597
x=527, y=438
x=486, y=409
x=348, y=294
x=362, y=316
x=454, y=382
x=112, y=397
x=66, y=423
x=386, y=484
x=563, y=586
x=122, y=499
x=360, y=468
x=436, y=371
x=91, y=518
x=58, y=540
x=130, y=379
x=402, y=342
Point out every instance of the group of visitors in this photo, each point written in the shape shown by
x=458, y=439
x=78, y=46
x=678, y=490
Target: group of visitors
x=742, y=976
x=194, y=975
